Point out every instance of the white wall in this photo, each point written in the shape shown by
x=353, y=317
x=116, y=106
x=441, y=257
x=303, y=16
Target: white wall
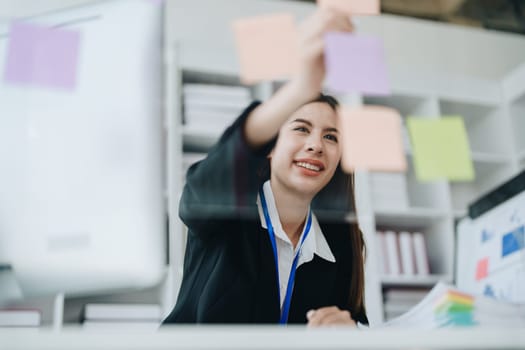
x=203, y=28
x=24, y=8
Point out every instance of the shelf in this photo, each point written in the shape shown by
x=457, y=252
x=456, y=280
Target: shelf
x=480, y=157
x=406, y=105
x=490, y=158
x=521, y=159
x=513, y=87
x=459, y=214
x=408, y=217
x=197, y=139
x=480, y=122
x=415, y=281
x=521, y=156
x=488, y=176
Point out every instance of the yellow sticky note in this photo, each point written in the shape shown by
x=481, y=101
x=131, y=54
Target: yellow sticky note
x=371, y=139
x=352, y=7
x=266, y=47
x=441, y=148
x=455, y=298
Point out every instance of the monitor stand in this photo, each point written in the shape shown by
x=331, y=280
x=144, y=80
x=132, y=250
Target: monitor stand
x=9, y=287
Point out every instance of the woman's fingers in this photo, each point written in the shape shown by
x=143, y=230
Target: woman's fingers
x=310, y=71
x=335, y=21
x=331, y=315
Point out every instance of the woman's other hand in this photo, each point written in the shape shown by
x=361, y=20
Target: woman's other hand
x=305, y=85
x=329, y=316
x=311, y=69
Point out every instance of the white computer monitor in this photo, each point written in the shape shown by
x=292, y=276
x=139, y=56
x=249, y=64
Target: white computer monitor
x=81, y=166
x=490, y=244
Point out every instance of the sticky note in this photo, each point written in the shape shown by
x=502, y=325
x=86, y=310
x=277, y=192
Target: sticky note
x=355, y=63
x=456, y=298
x=482, y=269
x=266, y=47
x=453, y=307
x=371, y=139
x=42, y=56
x=352, y=7
x=441, y=148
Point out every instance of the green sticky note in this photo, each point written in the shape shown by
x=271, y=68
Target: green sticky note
x=440, y=148
x=451, y=307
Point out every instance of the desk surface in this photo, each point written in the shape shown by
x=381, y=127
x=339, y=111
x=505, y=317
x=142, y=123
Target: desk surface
x=263, y=337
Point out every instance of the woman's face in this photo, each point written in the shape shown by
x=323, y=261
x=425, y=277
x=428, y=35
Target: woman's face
x=307, y=151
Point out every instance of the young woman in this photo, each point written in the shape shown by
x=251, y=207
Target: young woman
x=265, y=243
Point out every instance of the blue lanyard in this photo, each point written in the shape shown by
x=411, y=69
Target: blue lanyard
x=289, y=288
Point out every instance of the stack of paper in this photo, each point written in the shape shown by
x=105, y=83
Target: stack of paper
x=400, y=300
x=446, y=306
x=213, y=107
x=20, y=318
x=389, y=190
x=122, y=316
x=455, y=308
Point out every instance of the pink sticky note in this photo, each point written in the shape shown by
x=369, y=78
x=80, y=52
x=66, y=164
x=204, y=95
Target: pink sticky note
x=371, y=139
x=267, y=47
x=352, y=7
x=42, y=56
x=482, y=269
x=356, y=64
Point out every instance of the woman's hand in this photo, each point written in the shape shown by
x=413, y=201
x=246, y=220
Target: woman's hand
x=329, y=316
x=264, y=122
x=311, y=69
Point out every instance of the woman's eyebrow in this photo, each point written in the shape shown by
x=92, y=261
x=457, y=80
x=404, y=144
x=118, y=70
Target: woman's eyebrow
x=300, y=120
x=309, y=123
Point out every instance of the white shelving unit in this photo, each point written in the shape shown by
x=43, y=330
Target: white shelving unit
x=514, y=96
x=494, y=113
x=432, y=206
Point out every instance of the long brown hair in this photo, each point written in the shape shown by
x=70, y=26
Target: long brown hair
x=356, y=297
x=345, y=183
x=333, y=203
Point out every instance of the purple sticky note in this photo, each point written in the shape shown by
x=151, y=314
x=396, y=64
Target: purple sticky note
x=355, y=64
x=42, y=56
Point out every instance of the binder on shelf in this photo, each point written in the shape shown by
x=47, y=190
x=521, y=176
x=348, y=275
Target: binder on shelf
x=420, y=254
x=383, y=253
x=407, y=254
x=392, y=247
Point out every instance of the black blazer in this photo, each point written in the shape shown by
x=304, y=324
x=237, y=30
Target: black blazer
x=229, y=269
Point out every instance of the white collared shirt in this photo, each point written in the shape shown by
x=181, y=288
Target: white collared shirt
x=315, y=242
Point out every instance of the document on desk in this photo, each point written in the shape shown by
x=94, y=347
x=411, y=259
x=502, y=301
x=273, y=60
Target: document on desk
x=446, y=306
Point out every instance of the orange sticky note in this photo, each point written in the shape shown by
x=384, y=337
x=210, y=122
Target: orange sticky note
x=266, y=47
x=371, y=139
x=352, y=7
x=482, y=269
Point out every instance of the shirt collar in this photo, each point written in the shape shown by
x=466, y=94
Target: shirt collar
x=315, y=242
